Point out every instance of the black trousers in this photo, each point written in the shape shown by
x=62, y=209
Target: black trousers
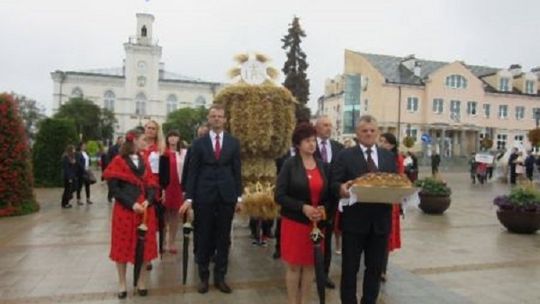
x=373, y=246
x=68, y=191
x=328, y=233
x=86, y=188
x=265, y=228
x=529, y=173
x=213, y=226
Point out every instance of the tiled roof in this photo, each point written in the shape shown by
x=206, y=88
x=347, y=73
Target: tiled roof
x=393, y=71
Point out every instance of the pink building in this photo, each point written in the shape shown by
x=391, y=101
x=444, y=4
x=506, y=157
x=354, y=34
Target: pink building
x=451, y=104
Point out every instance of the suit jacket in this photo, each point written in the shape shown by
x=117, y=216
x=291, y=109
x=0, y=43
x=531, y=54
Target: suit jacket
x=292, y=188
x=336, y=147
x=349, y=164
x=211, y=180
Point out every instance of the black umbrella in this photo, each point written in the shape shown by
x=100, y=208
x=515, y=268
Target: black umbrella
x=320, y=277
x=187, y=228
x=139, y=248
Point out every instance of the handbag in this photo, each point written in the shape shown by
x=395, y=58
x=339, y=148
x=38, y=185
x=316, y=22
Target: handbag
x=89, y=177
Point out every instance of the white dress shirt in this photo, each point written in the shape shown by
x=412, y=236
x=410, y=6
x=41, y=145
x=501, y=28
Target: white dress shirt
x=213, y=138
x=328, y=148
x=374, y=154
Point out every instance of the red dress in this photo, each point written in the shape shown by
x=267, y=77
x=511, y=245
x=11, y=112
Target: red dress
x=173, y=193
x=125, y=221
x=394, y=239
x=296, y=245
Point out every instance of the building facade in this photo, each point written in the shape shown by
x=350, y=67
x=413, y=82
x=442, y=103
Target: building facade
x=447, y=107
x=139, y=90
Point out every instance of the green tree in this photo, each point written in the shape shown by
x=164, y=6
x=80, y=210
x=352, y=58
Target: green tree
x=186, y=120
x=16, y=181
x=31, y=113
x=295, y=69
x=91, y=122
x=51, y=141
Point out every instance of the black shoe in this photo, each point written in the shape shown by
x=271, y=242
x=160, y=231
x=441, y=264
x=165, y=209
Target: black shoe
x=276, y=255
x=122, y=295
x=203, y=287
x=142, y=292
x=89, y=202
x=329, y=284
x=149, y=267
x=223, y=287
x=67, y=206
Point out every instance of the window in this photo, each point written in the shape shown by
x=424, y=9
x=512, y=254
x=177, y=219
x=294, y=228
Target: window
x=487, y=110
x=471, y=108
x=456, y=82
x=77, y=92
x=412, y=133
x=108, y=100
x=503, y=111
x=172, y=103
x=519, y=139
x=365, y=105
x=200, y=101
x=534, y=113
x=529, y=87
x=455, y=109
x=501, y=141
x=140, y=104
x=412, y=104
x=504, y=84
x=438, y=105
x=143, y=31
x=520, y=113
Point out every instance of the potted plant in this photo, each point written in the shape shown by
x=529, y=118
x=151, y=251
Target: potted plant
x=434, y=195
x=519, y=211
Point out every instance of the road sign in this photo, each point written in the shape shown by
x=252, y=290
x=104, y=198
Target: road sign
x=426, y=138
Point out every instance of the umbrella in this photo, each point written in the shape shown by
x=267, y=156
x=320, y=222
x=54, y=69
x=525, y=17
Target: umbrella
x=160, y=211
x=187, y=228
x=139, y=248
x=320, y=277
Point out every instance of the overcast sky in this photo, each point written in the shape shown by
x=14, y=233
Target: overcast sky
x=200, y=37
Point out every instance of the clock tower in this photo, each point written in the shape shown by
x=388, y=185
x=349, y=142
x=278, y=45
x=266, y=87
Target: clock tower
x=142, y=66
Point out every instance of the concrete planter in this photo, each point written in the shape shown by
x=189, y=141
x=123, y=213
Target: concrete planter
x=434, y=204
x=519, y=221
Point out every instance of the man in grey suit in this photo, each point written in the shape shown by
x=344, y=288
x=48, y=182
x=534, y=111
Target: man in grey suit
x=365, y=226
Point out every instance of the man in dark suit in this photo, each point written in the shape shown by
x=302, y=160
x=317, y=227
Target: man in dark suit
x=214, y=189
x=365, y=226
x=327, y=149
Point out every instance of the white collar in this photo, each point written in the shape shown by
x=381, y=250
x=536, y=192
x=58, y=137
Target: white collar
x=364, y=148
x=213, y=134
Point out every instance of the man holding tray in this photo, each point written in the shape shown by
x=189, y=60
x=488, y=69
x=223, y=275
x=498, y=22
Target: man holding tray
x=365, y=225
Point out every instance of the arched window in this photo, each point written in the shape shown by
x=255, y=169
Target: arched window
x=172, y=103
x=143, y=31
x=200, y=101
x=108, y=100
x=140, y=104
x=456, y=82
x=77, y=92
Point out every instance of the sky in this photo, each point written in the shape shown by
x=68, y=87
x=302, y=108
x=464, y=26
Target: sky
x=200, y=37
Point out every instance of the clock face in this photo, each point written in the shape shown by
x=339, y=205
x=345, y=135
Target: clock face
x=141, y=65
x=253, y=72
x=141, y=81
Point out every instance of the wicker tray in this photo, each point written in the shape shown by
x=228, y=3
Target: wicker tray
x=381, y=195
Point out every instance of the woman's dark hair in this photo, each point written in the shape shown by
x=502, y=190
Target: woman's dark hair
x=128, y=147
x=391, y=139
x=302, y=131
x=175, y=133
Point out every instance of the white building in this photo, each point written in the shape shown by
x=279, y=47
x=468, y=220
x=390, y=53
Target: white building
x=139, y=90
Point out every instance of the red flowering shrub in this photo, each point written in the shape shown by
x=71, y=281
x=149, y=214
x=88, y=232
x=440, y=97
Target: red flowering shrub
x=16, y=180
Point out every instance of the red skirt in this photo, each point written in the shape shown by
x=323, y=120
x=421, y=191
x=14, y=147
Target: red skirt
x=124, y=235
x=394, y=240
x=296, y=245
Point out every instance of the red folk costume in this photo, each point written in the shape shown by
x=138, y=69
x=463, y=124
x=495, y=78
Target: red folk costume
x=296, y=244
x=124, y=220
x=394, y=240
x=173, y=193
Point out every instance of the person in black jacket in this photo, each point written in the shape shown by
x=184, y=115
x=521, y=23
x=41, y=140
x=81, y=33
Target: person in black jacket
x=69, y=169
x=303, y=194
x=365, y=226
x=214, y=187
x=326, y=151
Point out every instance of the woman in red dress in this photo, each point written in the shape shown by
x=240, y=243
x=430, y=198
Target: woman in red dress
x=302, y=192
x=133, y=188
x=170, y=176
x=388, y=141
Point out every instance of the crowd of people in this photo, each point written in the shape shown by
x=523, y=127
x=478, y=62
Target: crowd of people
x=156, y=180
